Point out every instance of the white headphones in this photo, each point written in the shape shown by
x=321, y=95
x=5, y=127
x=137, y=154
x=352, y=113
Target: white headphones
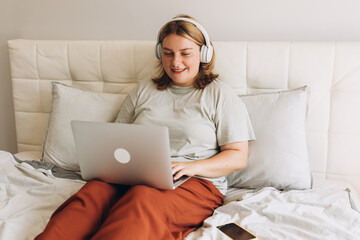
x=206, y=51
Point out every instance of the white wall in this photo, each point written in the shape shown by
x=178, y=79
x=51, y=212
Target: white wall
x=141, y=19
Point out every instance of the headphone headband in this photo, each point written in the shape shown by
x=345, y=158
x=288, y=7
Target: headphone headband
x=206, y=51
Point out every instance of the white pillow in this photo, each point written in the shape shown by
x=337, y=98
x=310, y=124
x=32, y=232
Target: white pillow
x=71, y=103
x=279, y=155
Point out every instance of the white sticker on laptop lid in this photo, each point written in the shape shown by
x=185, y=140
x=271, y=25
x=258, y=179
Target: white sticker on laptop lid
x=122, y=155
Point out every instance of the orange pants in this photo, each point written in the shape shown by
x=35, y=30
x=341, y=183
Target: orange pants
x=105, y=211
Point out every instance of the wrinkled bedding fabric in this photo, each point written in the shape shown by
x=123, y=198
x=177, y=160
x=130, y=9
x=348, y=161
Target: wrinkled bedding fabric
x=50, y=169
x=272, y=214
x=28, y=197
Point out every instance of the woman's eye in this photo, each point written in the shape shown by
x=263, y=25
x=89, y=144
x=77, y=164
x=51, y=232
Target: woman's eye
x=167, y=54
x=186, y=53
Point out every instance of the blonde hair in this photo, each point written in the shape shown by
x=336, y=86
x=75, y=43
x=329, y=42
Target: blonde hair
x=191, y=32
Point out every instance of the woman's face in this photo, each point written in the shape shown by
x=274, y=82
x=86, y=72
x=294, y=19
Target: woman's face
x=180, y=59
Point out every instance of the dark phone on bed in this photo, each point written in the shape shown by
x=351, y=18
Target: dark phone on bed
x=236, y=232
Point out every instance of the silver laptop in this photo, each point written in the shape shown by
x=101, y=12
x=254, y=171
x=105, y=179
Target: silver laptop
x=128, y=154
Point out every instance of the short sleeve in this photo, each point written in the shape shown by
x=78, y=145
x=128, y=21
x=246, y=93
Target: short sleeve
x=232, y=120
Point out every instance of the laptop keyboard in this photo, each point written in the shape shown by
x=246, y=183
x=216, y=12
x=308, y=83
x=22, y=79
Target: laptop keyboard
x=183, y=177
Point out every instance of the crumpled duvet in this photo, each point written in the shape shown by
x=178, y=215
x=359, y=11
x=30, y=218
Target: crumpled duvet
x=272, y=214
x=28, y=197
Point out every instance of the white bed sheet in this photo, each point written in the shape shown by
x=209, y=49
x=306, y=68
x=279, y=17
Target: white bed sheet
x=28, y=197
x=324, y=212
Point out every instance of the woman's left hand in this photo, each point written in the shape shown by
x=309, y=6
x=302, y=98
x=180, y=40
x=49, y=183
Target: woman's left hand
x=180, y=169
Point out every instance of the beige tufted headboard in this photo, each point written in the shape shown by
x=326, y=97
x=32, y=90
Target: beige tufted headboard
x=331, y=69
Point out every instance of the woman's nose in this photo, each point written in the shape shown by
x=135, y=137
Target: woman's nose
x=176, y=60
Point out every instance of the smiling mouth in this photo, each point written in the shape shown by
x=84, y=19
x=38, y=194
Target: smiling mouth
x=177, y=71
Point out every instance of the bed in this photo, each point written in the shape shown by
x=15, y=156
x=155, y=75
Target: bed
x=302, y=180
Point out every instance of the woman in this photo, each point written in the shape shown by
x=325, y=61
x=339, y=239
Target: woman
x=209, y=130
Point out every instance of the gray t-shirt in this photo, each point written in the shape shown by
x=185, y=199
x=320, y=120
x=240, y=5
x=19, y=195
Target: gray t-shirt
x=199, y=120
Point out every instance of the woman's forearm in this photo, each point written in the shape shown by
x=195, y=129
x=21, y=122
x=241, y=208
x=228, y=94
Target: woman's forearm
x=232, y=157
x=222, y=164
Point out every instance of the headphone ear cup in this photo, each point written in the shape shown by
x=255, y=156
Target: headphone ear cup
x=202, y=53
x=158, y=49
x=206, y=54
